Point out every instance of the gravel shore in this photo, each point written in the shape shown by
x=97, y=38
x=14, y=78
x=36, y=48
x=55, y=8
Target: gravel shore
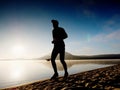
x=107, y=78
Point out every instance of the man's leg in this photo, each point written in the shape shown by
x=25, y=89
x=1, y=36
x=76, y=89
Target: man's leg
x=53, y=57
x=62, y=56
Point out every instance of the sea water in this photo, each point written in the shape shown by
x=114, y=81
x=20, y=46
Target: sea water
x=17, y=72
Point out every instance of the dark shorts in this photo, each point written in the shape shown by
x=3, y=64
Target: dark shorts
x=58, y=49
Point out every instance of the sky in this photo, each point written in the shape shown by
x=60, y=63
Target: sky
x=93, y=27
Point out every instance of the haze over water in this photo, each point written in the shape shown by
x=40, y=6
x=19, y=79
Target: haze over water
x=16, y=72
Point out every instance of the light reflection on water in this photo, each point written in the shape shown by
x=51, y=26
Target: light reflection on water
x=17, y=72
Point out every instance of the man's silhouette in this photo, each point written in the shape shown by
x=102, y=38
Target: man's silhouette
x=59, y=35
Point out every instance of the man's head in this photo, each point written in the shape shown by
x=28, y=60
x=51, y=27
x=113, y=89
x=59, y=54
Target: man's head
x=55, y=23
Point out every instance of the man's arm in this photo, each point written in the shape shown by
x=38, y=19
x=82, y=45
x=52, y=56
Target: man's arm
x=64, y=36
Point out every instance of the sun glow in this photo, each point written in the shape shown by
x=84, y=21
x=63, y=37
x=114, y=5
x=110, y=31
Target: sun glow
x=18, y=50
x=16, y=74
x=17, y=70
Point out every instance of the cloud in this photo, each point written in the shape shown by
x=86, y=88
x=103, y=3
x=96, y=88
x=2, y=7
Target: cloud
x=112, y=23
x=98, y=38
x=115, y=46
x=103, y=43
x=107, y=37
x=87, y=49
x=114, y=35
x=88, y=13
x=84, y=50
x=85, y=8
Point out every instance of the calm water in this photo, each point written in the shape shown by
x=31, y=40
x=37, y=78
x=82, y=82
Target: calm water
x=16, y=72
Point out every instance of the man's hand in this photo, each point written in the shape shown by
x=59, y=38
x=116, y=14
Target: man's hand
x=53, y=42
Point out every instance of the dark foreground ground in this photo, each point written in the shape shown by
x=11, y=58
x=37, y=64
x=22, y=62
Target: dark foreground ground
x=100, y=79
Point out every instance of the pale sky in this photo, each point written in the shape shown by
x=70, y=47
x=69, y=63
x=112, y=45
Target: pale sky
x=93, y=27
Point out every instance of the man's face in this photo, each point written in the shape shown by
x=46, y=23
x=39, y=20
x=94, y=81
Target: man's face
x=55, y=25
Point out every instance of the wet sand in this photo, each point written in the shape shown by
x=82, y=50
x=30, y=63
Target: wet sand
x=107, y=78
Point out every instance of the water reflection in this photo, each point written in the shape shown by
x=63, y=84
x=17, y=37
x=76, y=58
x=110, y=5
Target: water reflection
x=71, y=63
x=24, y=71
x=18, y=72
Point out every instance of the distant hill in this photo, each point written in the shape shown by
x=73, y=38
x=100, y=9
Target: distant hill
x=69, y=56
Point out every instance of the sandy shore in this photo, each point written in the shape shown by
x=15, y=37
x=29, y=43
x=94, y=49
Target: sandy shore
x=101, y=79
